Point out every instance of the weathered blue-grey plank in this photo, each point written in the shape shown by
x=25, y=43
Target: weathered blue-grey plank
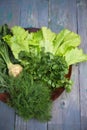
x=33, y=124
x=82, y=30
x=36, y=125
x=20, y=124
x=66, y=109
x=9, y=12
x=62, y=13
x=7, y=117
x=34, y=13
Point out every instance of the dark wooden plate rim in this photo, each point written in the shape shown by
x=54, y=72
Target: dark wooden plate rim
x=4, y=96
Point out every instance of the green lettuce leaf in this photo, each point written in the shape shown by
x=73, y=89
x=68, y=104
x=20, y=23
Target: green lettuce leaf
x=19, y=41
x=47, y=41
x=22, y=40
x=66, y=40
x=48, y=35
x=74, y=56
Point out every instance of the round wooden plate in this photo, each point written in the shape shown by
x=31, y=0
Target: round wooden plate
x=4, y=96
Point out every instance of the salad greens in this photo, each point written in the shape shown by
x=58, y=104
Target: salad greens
x=33, y=65
x=18, y=41
x=66, y=40
x=21, y=40
x=75, y=55
x=57, y=44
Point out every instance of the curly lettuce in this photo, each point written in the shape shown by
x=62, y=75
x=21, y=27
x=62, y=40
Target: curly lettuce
x=19, y=41
x=22, y=40
x=75, y=55
x=66, y=40
x=64, y=43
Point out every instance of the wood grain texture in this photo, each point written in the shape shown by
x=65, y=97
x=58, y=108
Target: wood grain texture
x=33, y=124
x=9, y=12
x=20, y=124
x=82, y=30
x=66, y=109
x=36, y=125
x=62, y=13
x=34, y=13
x=7, y=117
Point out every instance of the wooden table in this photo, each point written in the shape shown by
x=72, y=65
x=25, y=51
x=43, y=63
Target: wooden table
x=69, y=110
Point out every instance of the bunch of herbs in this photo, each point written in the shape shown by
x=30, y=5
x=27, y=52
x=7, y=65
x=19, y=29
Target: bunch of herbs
x=29, y=99
x=47, y=68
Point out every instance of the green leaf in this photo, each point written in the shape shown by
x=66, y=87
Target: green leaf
x=74, y=56
x=19, y=41
x=66, y=40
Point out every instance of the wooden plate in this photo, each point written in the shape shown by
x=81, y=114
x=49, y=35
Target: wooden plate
x=4, y=96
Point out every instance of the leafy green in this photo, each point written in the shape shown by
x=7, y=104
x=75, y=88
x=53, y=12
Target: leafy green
x=3, y=67
x=66, y=40
x=4, y=30
x=47, y=68
x=3, y=83
x=29, y=99
x=58, y=44
x=21, y=40
x=74, y=56
x=18, y=41
x=66, y=44
x=5, y=51
x=48, y=38
x=3, y=71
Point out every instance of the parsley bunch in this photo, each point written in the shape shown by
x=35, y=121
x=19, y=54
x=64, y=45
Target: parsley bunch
x=47, y=68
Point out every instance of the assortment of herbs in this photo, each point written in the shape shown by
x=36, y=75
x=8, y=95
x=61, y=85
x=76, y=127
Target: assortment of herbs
x=33, y=65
